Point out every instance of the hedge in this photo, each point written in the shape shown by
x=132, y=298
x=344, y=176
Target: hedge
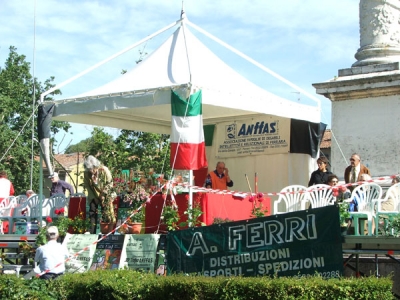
x=129, y=284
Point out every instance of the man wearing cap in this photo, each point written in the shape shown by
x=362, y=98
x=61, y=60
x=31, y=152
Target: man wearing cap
x=59, y=186
x=51, y=257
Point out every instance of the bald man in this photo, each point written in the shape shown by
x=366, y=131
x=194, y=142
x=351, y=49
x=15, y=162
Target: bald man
x=354, y=172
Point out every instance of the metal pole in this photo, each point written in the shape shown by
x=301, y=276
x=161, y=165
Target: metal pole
x=190, y=204
x=40, y=189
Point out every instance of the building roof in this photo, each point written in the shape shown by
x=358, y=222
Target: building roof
x=69, y=160
x=66, y=160
x=326, y=140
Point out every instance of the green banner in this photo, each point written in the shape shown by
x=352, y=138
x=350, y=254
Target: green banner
x=110, y=253
x=141, y=251
x=292, y=244
x=74, y=244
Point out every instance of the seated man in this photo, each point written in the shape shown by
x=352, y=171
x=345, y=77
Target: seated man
x=219, y=179
x=29, y=193
x=51, y=256
x=342, y=192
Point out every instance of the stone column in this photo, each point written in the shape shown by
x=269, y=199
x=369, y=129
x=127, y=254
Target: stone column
x=379, y=32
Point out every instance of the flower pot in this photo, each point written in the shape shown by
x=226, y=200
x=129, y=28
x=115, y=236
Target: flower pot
x=106, y=227
x=343, y=229
x=134, y=228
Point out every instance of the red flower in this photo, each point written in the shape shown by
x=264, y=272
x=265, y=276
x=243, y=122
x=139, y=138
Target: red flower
x=251, y=199
x=335, y=192
x=260, y=199
x=187, y=197
x=343, y=189
x=260, y=195
x=164, y=196
x=49, y=220
x=59, y=211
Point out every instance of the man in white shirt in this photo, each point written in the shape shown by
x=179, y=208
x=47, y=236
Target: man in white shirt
x=51, y=257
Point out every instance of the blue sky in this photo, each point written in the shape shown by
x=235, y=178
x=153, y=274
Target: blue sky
x=304, y=41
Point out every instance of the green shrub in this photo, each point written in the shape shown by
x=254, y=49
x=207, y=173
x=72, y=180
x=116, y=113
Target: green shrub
x=128, y=284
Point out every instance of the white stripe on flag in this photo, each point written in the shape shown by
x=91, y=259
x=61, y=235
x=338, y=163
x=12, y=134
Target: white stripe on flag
x=187, y=130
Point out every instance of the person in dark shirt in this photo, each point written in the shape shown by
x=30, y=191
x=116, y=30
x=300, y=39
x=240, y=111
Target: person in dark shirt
x=320, y=176
x=59, y=186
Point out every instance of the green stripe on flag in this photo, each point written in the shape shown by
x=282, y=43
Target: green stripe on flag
x=208, y=134
x=180, y=107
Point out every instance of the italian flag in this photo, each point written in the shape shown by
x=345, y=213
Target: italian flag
x=187, y=135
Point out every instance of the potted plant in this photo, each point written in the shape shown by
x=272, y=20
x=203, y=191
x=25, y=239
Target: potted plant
x=392, y=227
x=79, y=224
x=344, y=217
x=28, y=251
x=170, y=217
x=258, y=210
x=108, y=218
x=135, y=221
x=136, y=199
x=218, y=220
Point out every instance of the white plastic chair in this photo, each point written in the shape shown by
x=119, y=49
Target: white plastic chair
x=6, y=213
x=56, y=202
x=365, y=195
x=6, y=201
x=291, y=197
x=21, y=198
x=393, y=193
x=30, y=209
x=319, y=195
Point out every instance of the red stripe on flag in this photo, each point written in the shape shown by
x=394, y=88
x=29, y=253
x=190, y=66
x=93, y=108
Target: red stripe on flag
x=189, y=156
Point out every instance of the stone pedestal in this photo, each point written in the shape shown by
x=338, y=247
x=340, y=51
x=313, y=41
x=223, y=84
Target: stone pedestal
x=379, y=32
x=365, y=117
x=366, y=97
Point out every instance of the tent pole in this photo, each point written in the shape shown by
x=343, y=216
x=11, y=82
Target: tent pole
x=40, y=190
x=257, y=64
x=58, y=86
x=190, y=204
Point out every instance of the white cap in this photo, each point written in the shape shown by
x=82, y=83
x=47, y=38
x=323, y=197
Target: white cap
x=52, y=230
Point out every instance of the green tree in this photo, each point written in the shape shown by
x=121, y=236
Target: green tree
x=82, y=146
x=130, y=150
x=146, y=150
x=17, y=112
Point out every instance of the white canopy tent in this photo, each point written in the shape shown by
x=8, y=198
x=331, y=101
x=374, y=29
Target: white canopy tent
x=140, y=99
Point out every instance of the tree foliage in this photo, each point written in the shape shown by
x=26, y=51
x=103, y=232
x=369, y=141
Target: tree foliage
x=19, y=95
x=82, y=146
x=130, y=150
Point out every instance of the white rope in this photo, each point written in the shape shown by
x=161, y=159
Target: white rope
x=340, y=148
x=257, y=64
x=106, y=60
x=19, y=133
